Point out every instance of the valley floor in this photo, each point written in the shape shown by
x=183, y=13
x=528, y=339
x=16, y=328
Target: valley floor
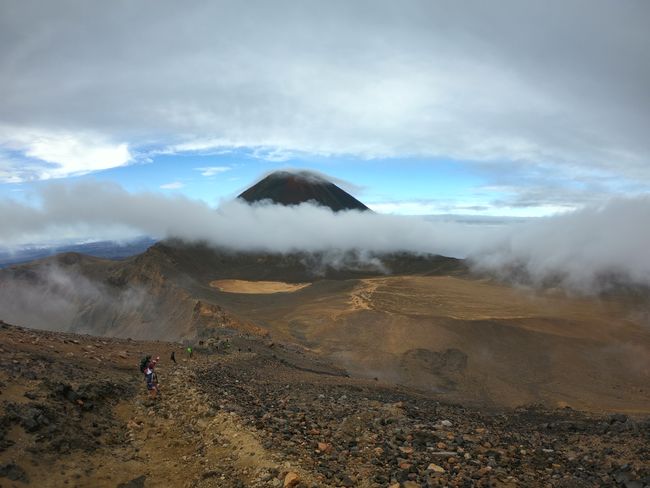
x=74, y=413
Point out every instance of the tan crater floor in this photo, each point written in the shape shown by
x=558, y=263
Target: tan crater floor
x=257, y=287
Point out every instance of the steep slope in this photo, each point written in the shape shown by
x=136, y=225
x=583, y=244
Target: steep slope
x=74, y=412
x=286, y=188
x=144, y=297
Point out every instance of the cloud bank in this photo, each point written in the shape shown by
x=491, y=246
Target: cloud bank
x=556, y=87
x=578, y=248
x=52, y=297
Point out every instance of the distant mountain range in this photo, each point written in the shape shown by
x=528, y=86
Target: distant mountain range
x=100, y=249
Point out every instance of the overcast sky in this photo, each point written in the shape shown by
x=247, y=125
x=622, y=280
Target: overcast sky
x=491, y=108
x=123, y=118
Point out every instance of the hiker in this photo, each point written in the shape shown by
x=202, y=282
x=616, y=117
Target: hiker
x=173, y=356
x=189, y=351
x=152, y=378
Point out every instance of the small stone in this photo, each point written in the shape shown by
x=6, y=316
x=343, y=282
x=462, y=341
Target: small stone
x=435, y=468
x=443, y=454
x=445, y=423
x=411, y=484
x=291, y=480
x=324, y=447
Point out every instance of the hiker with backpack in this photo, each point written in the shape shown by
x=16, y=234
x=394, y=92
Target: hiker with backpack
x=147, y=366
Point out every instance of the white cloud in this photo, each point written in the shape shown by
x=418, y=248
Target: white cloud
x=579, y=247
x=174, y=185
x=213, y=170
x=57, y=154
x=405, y=207
x=206, y=145
x=475, y=207
x=564, y=84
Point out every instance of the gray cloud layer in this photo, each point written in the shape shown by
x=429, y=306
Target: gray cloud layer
x=56, y=298
x=558, y=86
x=578, y=247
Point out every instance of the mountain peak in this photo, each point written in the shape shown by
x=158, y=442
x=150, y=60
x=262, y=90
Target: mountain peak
x=294, y=188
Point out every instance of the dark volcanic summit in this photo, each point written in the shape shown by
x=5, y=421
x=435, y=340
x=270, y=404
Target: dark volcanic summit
x=285, y=188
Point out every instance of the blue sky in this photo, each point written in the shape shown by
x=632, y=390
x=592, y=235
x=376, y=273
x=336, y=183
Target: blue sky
x=379, y=182
x=402, y=186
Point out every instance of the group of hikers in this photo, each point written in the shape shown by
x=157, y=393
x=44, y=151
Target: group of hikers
x=147, y=367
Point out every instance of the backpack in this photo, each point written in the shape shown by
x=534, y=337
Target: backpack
x=144, y=362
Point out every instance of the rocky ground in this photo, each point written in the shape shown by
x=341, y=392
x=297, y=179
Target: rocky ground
x=74, y=413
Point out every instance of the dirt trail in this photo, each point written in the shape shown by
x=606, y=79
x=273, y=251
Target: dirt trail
x=73, y=418
x=194, y=444
x=361, y=295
